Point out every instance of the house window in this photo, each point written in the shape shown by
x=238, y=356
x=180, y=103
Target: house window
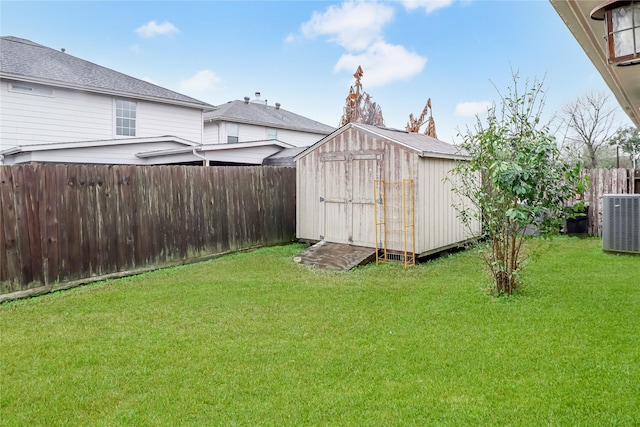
x=232, y=133
x=272, y=133
x=624, y=32
x=125, y=118
x=31, y=89
x=622, y=23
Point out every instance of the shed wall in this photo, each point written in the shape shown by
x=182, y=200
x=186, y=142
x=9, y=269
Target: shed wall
x=353, y=223
x=436, y=222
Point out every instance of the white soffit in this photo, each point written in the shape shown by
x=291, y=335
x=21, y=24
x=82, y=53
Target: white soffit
x=623, y=81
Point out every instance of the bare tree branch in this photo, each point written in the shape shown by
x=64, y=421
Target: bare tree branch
x=590, y=122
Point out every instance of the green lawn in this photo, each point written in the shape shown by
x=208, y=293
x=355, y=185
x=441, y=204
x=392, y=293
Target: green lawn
x=255, y=339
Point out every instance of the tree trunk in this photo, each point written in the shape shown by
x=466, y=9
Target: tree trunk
x=592, y=157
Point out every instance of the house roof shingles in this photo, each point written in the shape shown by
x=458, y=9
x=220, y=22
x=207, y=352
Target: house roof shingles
x=422, y=143
x=259, y=113
x=25, y=60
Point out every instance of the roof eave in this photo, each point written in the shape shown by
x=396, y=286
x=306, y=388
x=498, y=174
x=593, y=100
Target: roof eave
x=576, y=17
x=420, y=153
x=96, y=143
x=160, y=153
x=261, y=123
x=243, y=145
x=11, y=151
x=395, y=141
x=434, y=155
x=57, y=83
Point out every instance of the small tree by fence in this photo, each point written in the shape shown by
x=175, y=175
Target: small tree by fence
x=607, y=181
x=65, y=223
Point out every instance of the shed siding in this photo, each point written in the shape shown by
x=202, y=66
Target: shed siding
x=400, y=165
x=436, y=223
x=350, y=222
x=308, y=219
x=72, y=115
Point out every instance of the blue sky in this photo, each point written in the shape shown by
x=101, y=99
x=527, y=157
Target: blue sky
x=303, y=54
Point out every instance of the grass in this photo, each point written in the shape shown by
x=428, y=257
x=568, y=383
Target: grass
x=255, y=339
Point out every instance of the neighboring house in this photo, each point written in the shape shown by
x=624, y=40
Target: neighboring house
x=59, y=108
x=253, y=132
x=377, y=187
x=585, y=20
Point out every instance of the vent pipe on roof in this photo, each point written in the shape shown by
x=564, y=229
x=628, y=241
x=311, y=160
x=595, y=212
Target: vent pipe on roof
x=258, y=100
x=277, y=105
x=246, y=99
x=62, y=50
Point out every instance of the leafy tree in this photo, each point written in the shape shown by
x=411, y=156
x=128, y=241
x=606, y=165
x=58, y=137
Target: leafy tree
x=590, y=122
x=516, y=178
x=629, y=140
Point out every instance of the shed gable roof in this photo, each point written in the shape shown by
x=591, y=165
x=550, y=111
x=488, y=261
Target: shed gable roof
x=265, y=115
x=423, y=145
x=25, y=60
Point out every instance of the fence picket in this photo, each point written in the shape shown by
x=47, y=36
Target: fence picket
x=10, y=257
x=605, y=181
x=66, y=223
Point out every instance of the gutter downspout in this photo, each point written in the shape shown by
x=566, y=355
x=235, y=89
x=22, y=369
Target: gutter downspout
x=204, y=159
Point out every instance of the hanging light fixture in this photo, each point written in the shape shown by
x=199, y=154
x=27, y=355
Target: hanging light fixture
x=622, y=23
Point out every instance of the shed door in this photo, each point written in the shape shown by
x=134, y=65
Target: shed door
x=348, y=197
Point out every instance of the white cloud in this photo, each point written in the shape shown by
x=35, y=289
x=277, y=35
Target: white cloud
x=354, y=25
x=428, y=5
x=290, y=38
x=471, y=109
x=152, y=29
x=383, y=63
x=202, y=81
x=357, y=26
x=135, y=48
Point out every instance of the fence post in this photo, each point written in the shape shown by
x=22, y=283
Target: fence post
x=62, y=224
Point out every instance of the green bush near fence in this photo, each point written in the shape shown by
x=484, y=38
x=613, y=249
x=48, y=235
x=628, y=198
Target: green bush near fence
x=255, y=339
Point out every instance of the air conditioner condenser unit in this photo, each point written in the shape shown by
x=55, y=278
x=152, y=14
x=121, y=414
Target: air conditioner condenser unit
x=621, y=223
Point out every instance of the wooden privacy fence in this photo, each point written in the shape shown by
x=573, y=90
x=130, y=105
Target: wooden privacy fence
x=61, y=224
x=607, y=181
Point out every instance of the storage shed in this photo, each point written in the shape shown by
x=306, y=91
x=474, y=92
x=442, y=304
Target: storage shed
x=364, y=184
